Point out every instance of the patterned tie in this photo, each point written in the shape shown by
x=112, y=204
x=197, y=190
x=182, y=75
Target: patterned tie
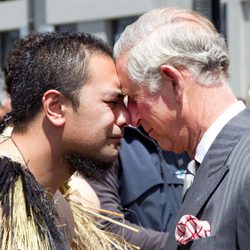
x=189, y=177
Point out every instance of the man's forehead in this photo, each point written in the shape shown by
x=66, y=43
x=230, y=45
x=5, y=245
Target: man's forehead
x=130, y=91
x=121, y=65
x=127, y=85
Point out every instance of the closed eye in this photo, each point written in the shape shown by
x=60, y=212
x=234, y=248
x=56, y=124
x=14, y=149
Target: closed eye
x=112, y=103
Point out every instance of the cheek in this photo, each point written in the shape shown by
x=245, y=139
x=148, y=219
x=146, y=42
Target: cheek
x=148, y=112
x=97, y=121
x=106, y=120
x=132, y=107
x=103, y=115
x=144, y=108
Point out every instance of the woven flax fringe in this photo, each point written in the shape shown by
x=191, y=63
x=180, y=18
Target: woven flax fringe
x=20, y=232
x=26, y=215
x=88, y=236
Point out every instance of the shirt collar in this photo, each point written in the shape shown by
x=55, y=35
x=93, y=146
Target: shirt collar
x=210, y=135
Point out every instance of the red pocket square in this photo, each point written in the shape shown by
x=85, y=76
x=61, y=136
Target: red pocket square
x=190, y=228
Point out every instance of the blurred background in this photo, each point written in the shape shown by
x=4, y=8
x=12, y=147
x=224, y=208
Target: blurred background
x=108, y=18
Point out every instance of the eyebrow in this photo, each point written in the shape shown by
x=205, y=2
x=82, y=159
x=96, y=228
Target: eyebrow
x=115, y=93
x=130, y=95
x=132, y=92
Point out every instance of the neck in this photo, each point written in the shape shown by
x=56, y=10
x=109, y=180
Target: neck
x=209, y=103
x=43, y=160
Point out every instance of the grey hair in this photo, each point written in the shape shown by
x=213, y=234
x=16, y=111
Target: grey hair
x=176, y=37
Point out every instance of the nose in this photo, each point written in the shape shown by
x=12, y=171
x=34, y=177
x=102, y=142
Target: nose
x=123, y=117
x=134, y=113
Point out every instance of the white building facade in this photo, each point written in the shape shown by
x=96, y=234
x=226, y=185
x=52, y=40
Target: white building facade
x=107, y=18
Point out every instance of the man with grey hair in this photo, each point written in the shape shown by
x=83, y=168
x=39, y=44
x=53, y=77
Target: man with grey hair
x=173, y=65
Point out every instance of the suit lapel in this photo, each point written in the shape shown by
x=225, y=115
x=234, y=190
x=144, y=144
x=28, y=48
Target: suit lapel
x=202, y=187
x=212, y=170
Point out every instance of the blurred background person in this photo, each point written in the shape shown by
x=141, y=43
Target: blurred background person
x=5, y=106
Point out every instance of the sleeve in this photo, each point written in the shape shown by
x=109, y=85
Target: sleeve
x=108, y=194
x=243, y=205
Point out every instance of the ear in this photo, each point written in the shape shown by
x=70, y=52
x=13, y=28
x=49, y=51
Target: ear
x=54, y=107
x=175, y=77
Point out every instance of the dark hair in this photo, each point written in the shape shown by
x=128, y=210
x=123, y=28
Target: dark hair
x=46, y=61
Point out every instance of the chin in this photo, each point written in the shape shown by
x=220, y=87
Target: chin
x=165, y=146
x=110, y=156
x=94, y=168
x=110, y=151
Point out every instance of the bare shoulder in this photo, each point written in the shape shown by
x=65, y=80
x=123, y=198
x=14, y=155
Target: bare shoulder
x=8, y=149
x=87, y=194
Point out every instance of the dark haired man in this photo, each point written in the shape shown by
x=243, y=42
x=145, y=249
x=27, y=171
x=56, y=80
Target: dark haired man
x=67, y=114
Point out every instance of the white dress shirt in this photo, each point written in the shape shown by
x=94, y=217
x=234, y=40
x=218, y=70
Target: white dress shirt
x=210, y=135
